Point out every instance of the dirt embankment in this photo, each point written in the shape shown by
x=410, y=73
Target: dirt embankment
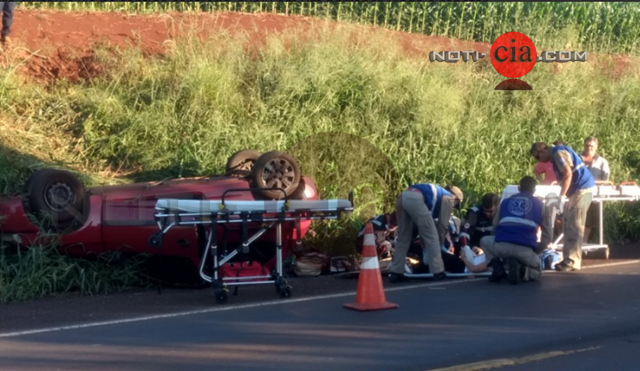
x=54, y=45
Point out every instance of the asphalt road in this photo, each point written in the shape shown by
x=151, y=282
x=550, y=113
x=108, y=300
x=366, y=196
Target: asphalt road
x=571, y=321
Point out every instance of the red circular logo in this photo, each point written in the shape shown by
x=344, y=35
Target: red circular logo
x=513, y=54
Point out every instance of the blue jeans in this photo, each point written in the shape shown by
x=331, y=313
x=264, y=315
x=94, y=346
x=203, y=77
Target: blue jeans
x=7, y=16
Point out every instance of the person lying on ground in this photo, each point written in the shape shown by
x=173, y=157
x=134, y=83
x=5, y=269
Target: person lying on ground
x=452, y=259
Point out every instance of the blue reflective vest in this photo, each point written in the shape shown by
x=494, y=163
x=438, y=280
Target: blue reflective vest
x=581, y=178
x=432, y=196
x=520, y=217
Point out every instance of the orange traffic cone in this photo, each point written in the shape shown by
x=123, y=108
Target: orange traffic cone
x=370, y=295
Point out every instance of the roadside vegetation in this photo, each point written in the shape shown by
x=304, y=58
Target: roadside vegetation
x=38, y=272
x=186, y=113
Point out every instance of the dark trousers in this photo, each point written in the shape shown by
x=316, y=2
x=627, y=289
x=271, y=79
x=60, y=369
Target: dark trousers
x=7, y=16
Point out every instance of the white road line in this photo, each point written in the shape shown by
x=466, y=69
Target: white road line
x=502, y=362
x=254, y=305
x=218, y=309
x=610, y=264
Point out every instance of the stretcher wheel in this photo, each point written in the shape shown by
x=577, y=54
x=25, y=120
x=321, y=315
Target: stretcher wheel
x=282, y=288
x=221, y=297
x=285, y=292
x=155, y=240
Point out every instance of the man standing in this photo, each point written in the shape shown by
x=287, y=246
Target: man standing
x=420, y=204
x=576, y=192
x=516, y=236
x=599, y=168
x=478, y=222
x=7, y=8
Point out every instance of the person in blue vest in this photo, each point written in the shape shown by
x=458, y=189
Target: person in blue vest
x=515, y=237
x=419, y=205
x=576, y=193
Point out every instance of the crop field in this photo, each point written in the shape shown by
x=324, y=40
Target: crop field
x=605, y=27
x=357, y=106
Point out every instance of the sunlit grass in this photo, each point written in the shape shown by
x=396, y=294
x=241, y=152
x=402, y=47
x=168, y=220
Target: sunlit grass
x=185, y=114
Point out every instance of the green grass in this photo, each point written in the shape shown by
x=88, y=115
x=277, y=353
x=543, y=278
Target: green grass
x=362, y=117
x=601, y=27
x=42, y=271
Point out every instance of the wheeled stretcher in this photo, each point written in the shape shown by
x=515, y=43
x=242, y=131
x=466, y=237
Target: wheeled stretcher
x=605, y=192
x=271, y=213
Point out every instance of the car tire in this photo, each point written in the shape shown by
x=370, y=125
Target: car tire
x=241, y=163
x=276, y=169
x=56, y=193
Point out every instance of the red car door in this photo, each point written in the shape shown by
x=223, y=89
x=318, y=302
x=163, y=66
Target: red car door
x=128, y=224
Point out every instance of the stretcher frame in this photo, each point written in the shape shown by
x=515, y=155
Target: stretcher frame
x=606, y=192
x=269, y=217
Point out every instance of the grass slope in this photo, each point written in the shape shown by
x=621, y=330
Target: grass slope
x=353, y=112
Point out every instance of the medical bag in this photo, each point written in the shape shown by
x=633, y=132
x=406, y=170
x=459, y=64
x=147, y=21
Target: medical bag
x=244, y=269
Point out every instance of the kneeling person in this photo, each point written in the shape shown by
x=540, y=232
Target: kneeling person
x=384, y=226
x=515, y=239
x=478, y=222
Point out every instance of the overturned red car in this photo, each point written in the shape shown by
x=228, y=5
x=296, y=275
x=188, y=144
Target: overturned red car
x=121, y=218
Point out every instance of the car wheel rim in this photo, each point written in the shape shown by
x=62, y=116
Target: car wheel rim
x=278, y=173
x=59, y=196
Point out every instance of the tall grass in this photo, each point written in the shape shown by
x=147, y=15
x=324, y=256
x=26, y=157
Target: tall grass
x=41, y=271
x=602, y=27
x=186, y=113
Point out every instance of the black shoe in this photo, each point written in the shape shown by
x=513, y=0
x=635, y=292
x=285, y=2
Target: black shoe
x=439, y=276
x=564, y=267
x=498, y=271
x=514, y=270
x=395, y=278
x=523, y=272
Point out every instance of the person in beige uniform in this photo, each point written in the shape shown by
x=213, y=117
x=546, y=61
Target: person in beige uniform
x=599, y=168
x=419, y=205
x=576, y=192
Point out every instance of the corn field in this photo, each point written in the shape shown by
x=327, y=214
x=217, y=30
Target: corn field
x=600, y=27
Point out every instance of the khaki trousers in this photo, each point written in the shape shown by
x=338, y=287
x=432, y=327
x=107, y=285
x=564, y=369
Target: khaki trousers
x=525, y=255
x=573, y=222
x=411, y=209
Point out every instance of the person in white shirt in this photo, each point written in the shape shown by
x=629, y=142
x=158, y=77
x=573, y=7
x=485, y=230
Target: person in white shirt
x=599, y=168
